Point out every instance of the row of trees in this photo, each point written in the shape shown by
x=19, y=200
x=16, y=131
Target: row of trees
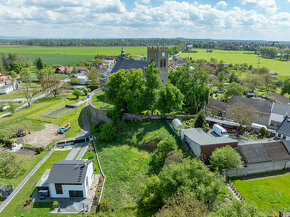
x=130, y=92
x=12, y=64
x=270, y=52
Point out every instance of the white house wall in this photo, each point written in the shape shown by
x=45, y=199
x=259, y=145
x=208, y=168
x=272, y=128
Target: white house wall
x=90, y=176
x=65, y=190
x=276, y=117
x=194, y=146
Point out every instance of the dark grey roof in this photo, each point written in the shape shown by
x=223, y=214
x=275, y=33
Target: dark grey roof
x=263, y=152
x=217, y=104
x=282, y=109
x=285, y=127
x=129, y=64
x=202, y=138
x=278, y=97
x=257, y=104
x=287, y=145
x=68, y=171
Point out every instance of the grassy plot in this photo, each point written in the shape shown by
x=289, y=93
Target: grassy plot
x=100, y=102
x=270, y=193
x=69, y=55
x=240, y=57
x=14, y=207
x=30, y=117
x=91, y=155
x=126, y=161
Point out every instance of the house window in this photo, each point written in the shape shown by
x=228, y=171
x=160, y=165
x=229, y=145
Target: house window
x=161, y=63
x=279, y=135
x=164, y=62
x=58, y=189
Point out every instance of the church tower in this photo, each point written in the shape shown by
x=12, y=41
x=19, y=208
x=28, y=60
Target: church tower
x=159, y=55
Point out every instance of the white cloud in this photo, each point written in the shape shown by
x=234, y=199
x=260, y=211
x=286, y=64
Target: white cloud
x=223, y=4
x=110, y=18
x=269, y=5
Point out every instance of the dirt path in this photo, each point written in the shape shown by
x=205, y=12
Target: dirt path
x=42, y=138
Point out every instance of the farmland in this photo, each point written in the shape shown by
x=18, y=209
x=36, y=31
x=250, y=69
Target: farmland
x=270, y=193
x=69, y=55
x=239, y=57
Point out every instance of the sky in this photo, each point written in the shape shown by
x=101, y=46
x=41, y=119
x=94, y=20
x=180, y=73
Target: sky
x=204, y=19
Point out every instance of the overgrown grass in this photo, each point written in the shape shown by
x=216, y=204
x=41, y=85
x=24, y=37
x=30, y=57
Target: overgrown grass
x=90, y=155
x=14, y=207
x=270, y=193
x=100, y=102
x=242, y=57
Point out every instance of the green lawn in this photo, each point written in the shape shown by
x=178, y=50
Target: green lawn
x=242, y=57
x=100, y=102
x=69, y=55
x=30, y=117
x=91, y=155
x=14, y=207
x=270, y=193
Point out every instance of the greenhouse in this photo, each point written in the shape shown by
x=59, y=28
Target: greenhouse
x=177, y=125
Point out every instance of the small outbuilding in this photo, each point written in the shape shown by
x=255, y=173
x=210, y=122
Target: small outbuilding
x=177, y=125
x=202, y=143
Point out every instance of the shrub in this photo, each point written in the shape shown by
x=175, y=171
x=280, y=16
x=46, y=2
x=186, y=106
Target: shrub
x=108, y=132
x=115, y=114
x=225, y=158
x=39, y=150
x=263, y=132
x=74, y=81
x=104, y=206
x=55, y=203
x=28, y=201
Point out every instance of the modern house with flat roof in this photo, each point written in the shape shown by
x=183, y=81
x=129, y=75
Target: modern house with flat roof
x=67, y=179
x=202, y=143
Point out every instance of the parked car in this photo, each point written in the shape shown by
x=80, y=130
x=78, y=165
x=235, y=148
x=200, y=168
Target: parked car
x=220, y=131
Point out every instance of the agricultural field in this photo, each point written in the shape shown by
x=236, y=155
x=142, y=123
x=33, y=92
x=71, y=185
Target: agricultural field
x=270, y=193
x=240, y=57
x=69, y=55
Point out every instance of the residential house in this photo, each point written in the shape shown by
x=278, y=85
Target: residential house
x=6, y=89
x=82, y=69
x=278, y=114
x=100, y=67
x=67, y=179
x=261, y=109
x=217, y=107
x=203, y=144
x=7, y=84
x=82, y=78
x=261, y=157
x=64, y=69
x=283, y=132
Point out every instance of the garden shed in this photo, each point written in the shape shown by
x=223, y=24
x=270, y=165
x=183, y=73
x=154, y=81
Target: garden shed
x=177, y=125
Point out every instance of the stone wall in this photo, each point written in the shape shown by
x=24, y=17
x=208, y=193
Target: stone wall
x=97, y=115
x=133, y=117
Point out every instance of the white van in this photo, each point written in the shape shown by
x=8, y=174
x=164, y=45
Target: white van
x=220, y=130
x=257, y=126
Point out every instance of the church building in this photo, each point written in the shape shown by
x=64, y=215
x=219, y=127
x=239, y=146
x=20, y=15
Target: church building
x=159, y=55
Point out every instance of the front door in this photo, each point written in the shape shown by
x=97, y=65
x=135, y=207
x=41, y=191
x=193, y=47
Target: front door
x=76, y=194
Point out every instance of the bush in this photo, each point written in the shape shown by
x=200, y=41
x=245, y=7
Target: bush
x=74, y=81
x=262, y=132
x=77, y=93
x=39, y=150
x=225, y=158
x=108, y=132
x=104, y=206
x=55, y=203
x=6, y=142
x=115, y=114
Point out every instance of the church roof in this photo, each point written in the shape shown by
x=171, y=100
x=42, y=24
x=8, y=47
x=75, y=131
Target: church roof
x=129, y=64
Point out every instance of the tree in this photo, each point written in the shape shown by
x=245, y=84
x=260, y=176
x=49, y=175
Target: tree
x=233, y=77
x=39, y=63
x=241, y=113
x=93, y=74
x=192, y=177
x=182, y=204
x=263, y=132
x=55, y=86
x=77, y=93
x=170, y=98
x=28, y=92
x=74, y=81
x=13, y=74
x=225, y=158
x=286, y=87
x=253, y=81
x=221, y=76
x=238, y=209
x=152, y=85
x=15, y=66
x=11, y=166
x=11, y=108
x=234, y=89
x=200, y=121
x=108, y=132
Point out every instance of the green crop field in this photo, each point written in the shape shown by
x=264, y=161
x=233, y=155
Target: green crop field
x=240, y=57
x=269, y=193
x=69, y=55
